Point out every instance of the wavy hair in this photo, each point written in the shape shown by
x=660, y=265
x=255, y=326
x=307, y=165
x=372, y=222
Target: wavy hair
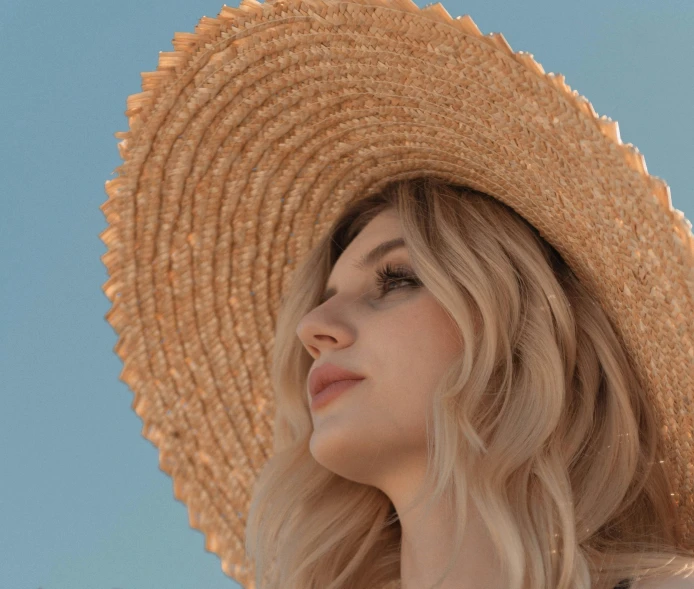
x=543, y=405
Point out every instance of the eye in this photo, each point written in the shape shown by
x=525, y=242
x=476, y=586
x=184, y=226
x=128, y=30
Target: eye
x=389, y=275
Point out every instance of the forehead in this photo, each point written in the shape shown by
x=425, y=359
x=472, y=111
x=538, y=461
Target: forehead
x=383, y=227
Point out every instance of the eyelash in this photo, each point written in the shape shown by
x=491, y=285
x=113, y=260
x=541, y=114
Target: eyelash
x=389, y=274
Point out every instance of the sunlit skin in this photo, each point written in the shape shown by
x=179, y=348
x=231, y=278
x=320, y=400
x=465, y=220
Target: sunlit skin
x=375, y=432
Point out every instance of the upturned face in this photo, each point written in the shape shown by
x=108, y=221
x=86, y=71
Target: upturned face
x=400, y=339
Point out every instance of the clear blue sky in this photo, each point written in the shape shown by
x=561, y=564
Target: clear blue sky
x=83, y=504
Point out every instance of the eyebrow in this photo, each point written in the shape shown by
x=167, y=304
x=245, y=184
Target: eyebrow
x=368, y=260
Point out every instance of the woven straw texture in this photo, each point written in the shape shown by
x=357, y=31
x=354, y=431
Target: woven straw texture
x=252, y=135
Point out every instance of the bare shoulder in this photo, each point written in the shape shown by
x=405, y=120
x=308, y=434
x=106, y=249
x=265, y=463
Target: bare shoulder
x=669, y=583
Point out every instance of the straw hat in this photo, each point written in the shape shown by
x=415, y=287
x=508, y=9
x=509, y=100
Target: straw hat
x=252, y=135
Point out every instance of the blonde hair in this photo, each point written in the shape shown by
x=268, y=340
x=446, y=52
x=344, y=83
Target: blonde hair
x=543, y=406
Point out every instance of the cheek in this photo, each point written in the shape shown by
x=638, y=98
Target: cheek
x=431, y=335
x=423, y=346
x=435, y=343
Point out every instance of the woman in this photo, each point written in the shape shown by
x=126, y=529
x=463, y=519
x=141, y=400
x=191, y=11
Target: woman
x=521, y=366
x=539, y=428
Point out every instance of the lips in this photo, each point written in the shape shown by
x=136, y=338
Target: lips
x=327, y=374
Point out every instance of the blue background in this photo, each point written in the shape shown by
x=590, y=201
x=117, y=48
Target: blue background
x=83, y=503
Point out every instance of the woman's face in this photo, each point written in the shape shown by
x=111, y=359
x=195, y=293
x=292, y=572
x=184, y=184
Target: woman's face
x=401, y=340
